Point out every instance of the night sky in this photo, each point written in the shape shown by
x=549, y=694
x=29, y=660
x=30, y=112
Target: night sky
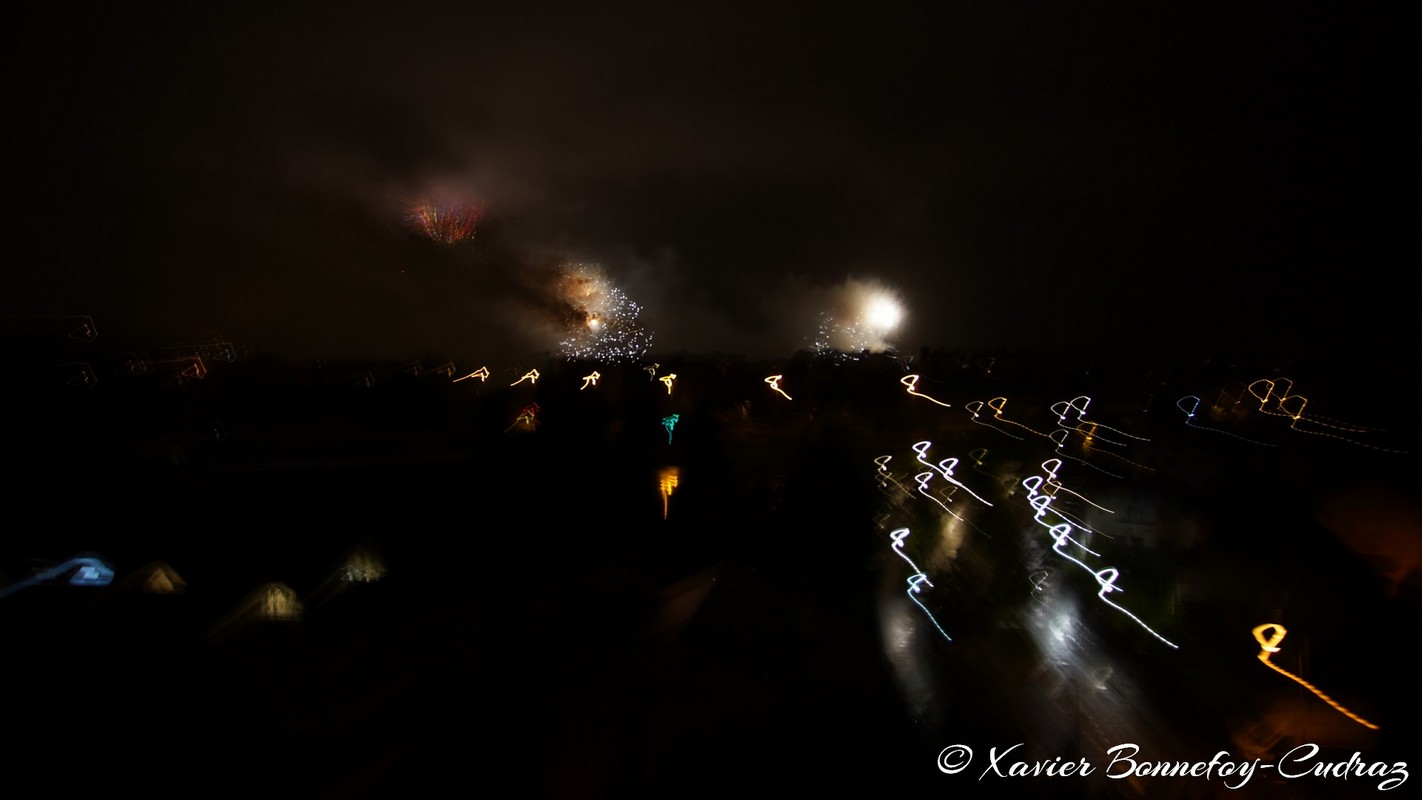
x=1045, y=188
x=1160, y=176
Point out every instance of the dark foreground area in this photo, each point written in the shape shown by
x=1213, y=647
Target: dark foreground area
x=316, y=580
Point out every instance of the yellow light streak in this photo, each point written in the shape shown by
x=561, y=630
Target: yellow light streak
x=774, y=382
x=910, y=383
x=997, y=404
x=1270, y=646
x=1293, y=405
x=481, y=373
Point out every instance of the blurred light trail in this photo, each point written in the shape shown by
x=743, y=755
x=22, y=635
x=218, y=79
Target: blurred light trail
x=1190, y=414
x=974, y=408
x=667, y=379
x=1107, y=579
x=1088, y=439
x=1293, y=405
x=669, y=422
x=652, y=371
x=1060, y=440
x=886, y=476
x=1079, y=405
x=667, y=481
x=481, y=373
x=918, y=580
x=945, y=468
x=90, y=572
x=531, y=376
x=1051, y=465
x=527, y=417
x=1270, y=646
x=865, y=314
x=997, y=404
x=590, y=380
x=910, y=383
x=1038, y=585
x=774, y=381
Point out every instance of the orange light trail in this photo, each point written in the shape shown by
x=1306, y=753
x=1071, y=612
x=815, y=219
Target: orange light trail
x=1270, y=646
x=910, y=383
x=997, y=404
x=667, y=481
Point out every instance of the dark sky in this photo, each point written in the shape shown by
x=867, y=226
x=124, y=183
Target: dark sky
x=1021, y=174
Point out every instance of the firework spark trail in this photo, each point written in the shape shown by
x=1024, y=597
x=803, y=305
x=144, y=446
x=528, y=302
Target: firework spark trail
x=447, y=221
x=1041, y=504
x=888, y=477
x=1060, y=441
x=528, y=418
x=1107, y=579
x=922, y=479
x=600, y=320
x=1034, y=483
x=1087, y=441
x=997, y=404
x=667, y=481
x=1038, y=586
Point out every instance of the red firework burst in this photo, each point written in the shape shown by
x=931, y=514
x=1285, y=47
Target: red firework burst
x=446, y=222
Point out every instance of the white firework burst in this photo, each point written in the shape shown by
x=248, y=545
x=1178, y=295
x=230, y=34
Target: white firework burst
x=866, y=315
x=601, y=320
